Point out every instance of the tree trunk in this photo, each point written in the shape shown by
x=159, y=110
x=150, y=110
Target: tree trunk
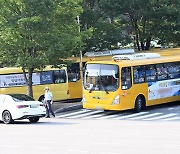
x=29, y=88
x=142, y=45
x=137, y=42
x=28, y=80
x=148, y=43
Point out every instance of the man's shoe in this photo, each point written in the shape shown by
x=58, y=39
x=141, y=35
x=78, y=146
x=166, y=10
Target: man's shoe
x=47, y=116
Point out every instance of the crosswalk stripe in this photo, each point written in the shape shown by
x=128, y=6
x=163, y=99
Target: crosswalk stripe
x=94, y=116
x=108, y=116
x=172, y=118
x=171, y=108
x=116, y=115
x=161, y=117
x=86, y=114
x=145, y=116
x=131, y=115
x=73, y=113
x=100, y=115
x=112, y=114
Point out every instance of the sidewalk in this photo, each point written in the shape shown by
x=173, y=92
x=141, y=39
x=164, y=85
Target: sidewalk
x=59, y=107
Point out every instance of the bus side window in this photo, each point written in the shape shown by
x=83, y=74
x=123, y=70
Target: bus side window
x=59, y=76
x=73, y=72
x=150, y=73
x=173, y=70
x=139, y=74
x=126, y=78
x=161, y=71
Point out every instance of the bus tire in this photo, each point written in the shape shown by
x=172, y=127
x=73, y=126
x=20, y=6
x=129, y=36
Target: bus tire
x=139, y=103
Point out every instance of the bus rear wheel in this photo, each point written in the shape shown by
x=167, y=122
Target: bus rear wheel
x=138, y=104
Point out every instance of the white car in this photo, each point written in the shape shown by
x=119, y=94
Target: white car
x=20, y=106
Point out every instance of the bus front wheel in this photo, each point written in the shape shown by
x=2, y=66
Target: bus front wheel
x=138, y=104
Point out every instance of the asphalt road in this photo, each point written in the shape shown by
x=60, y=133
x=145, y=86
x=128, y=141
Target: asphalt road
x=63, y=135
x=163, y=112
x=74, y=136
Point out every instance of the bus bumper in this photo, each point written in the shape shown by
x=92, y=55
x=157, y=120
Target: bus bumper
x=101, y=106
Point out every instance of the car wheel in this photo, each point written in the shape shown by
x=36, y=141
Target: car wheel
x=138, y=104
x=34, y=119
x=6, y=117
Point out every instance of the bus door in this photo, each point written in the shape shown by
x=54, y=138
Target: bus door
x=74, y=81
x=127, y=92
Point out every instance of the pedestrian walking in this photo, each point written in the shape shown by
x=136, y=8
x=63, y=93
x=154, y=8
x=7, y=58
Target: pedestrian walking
x=48, y=99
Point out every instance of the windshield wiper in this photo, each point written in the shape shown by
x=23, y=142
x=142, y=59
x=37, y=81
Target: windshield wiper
x=105, y=89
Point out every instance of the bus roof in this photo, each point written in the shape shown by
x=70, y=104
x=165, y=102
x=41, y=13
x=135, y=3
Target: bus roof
x=162, y=59
x=162, y=52
x=8, y=70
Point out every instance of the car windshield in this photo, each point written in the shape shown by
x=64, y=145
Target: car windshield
x=21, y=97
x=101, y=77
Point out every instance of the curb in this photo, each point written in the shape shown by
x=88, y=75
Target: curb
x=70, y=108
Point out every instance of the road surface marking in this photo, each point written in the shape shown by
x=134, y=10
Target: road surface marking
x=131, y=115
x=111, y=116
x=161, y=117
x=73, y=113
x=172, y=118
x=145, y=116
x=86, y=114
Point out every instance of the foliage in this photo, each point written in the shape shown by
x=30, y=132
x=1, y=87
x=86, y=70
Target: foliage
x=35, y=33
x=147, y=19
x=106, y=31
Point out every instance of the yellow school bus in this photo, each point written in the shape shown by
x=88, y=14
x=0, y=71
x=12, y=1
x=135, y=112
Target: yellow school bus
x=12, y=81
x=74, y=73
x=132, y=81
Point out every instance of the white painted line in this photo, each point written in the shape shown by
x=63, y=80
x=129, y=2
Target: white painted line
x=173, y=118
x=161, y=117
x=73, y=113
x=110, y=116
x=146, y=116
x=171, y=108
x=131, y=115
x=86, y=114
x=94, y=116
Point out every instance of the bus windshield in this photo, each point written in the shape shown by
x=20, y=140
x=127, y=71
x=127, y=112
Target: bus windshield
x=101, y=77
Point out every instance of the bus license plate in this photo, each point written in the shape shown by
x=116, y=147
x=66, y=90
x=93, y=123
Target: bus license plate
x=99, y=108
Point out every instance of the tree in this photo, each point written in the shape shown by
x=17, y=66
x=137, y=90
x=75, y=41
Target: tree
x=36, y=33
x=106, y=32
x=147, y=19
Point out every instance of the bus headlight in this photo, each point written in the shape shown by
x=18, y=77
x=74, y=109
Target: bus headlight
x=116, y=100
